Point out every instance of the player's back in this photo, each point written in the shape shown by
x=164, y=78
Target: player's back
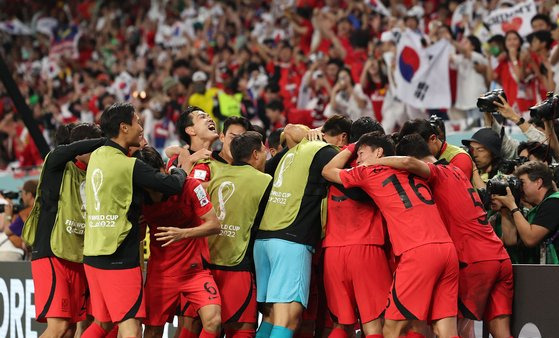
x=408, y=206
x=463, y=213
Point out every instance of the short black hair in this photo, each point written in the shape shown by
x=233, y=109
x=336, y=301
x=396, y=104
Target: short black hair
x=84, y=131
x=418, y=126
x=185, y=120
x=543, y=36
x=261, y=131
x=243, y=145
x=236, y=120
x=475, y=43
x=114, y=115
x=274, y=138
x=413, y=145
x=535, y=170
x=275, y=105
x=336, y=125
x=539, y=150
x=542, y=17
x=62, y=134
x=151, y=157
x=377, y=140
x=363, y=125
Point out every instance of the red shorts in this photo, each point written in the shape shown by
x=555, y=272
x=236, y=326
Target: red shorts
x=238, y=290
x=164, y=294
x=356, y=277
x=60, y=289
x=486, y=290
x=425, y=285
x=116, y=295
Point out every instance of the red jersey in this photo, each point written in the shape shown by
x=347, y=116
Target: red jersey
x=463, y=213
x=182, y=211
x=405, y=200
x=342, y=230
x=200, y=171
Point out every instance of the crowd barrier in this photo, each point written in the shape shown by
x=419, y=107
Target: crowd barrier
x=535, y=301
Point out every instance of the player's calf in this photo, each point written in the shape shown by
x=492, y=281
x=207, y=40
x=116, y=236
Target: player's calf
x=211, y=318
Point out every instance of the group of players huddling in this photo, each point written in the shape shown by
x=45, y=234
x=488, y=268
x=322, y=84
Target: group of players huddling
x=395, y=243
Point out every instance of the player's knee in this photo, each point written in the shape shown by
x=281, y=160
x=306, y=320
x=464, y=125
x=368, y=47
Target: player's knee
x=153, y=331
x=58, y=328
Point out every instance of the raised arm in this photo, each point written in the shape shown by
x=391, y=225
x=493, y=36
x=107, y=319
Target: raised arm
x=407, y=163
x=331, y=171
x=62, y=154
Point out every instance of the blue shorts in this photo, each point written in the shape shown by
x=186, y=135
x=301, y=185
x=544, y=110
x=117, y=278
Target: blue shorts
x=283, y=271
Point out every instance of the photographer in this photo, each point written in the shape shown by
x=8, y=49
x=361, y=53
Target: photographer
x=540, y=225
x=485, y=149
x=12, y=226
x=509, y=145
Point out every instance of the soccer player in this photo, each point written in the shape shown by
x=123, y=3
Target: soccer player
x=114, y=191
x=350, y=250
x=486, y=283
x=55, y=228
x=176, y=266
x=290, y=228
x=438, y=148
x=425, y=284
x=239, y=193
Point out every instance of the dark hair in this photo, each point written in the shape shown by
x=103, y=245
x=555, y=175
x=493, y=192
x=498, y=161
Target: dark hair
x=413, y=145
x=62, y=134
x=345, y=69
x=364, y=125
x=336, y=61
x=519, y=38
x=114, y=115
x=236, y=120
x=377, y=140
x=475, y=43
x=152, y=157
x=243, y=145
x=84, y=131
x=418, y=126
x=274, y=138
x=337, y=125
x=543, y=36
x=260, y=130
x=539, y=150
x=275, y=105
x=185, y=120
x=542, y=17
x=535, y=170
x=30, y=186
x=272, y=87
x=359, y=38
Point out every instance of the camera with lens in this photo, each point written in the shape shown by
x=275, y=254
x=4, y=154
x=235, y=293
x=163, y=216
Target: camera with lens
x=438, y=125
x=507, y=166
x=498, y=186
x=486, y=103
x=11, y=195
x=16, y=208
x=548, y=109
x=554, y=167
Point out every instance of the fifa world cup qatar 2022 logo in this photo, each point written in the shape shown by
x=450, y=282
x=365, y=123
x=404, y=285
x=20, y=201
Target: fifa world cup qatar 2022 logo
x=224, y=193
x=96, y=182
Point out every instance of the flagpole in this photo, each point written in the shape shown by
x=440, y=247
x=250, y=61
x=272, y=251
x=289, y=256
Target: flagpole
x=23, y=109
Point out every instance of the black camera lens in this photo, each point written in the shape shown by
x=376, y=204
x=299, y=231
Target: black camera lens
x=486, y=102
x=548, y=109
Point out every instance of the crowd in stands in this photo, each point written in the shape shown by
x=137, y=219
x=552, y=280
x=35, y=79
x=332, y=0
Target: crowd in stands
x=273, y=62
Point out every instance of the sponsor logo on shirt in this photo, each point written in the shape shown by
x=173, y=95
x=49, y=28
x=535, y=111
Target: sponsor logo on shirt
x=201, y=195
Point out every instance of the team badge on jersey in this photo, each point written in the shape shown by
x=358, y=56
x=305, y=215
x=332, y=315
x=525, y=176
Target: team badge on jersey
x=201, y=195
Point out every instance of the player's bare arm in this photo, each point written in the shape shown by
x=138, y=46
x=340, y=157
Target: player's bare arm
x=331, y=171
x=210, y=227
x=407, y=163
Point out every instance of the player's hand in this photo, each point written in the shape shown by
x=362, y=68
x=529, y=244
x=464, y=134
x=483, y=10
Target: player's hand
x=315, y=135
x=202, y=154
x=507, y=200
x=170, y=235
x=174, y=150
